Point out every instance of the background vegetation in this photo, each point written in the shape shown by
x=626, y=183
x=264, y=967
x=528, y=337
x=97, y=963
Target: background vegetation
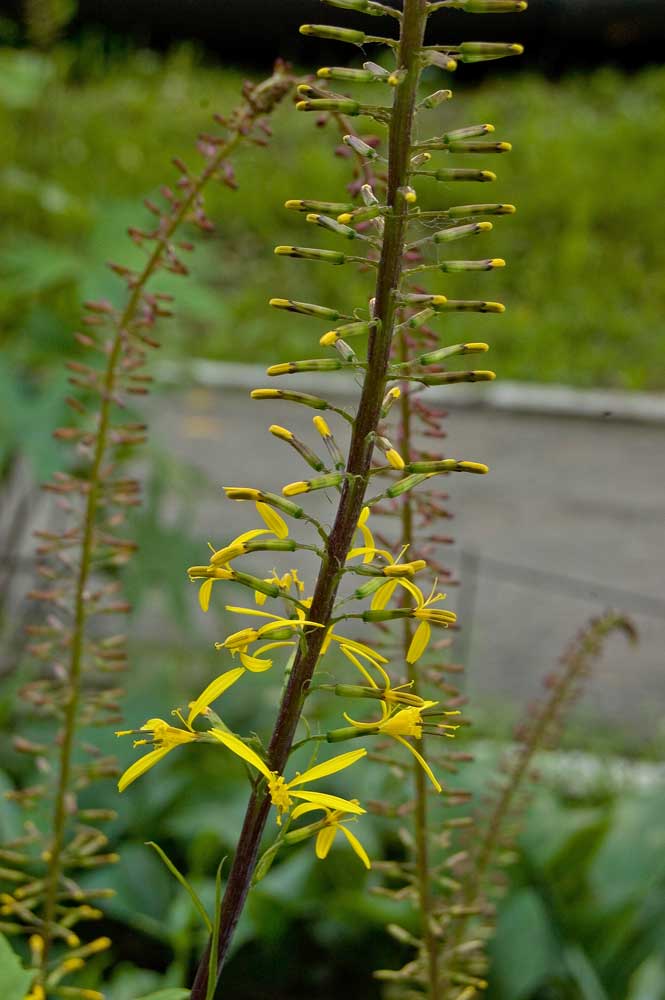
x=85, y=137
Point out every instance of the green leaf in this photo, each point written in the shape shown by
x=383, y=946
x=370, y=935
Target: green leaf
x=171, y=994
x=14, y=979
x=183, y=882
x=648, y=982
x=525, y=951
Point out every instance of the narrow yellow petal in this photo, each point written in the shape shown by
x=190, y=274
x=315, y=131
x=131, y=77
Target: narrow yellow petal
x=383, y=595
x=140, y=766
x=330, y=801
x=324, y=841
x=357, y=846
x=273, y=520
x=356, y=662
x=415, y=591
x=247, y=536
x=306, y=807
x=204, y=594
x=256, y=664
x=419, y=642
x=213, y=691
x=250, y=611
x=360, y=649
x=421, y=760
x=328, y=767
x=241, y=750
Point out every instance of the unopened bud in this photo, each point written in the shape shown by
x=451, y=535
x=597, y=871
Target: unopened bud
x=334, y=34
x=309, y=253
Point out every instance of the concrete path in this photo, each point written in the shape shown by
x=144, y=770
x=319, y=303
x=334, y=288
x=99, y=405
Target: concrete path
x=570, y=521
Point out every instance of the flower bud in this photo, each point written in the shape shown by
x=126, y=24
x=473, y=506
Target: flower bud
x=331, y=207
x=406, y=484
x=433, y=100
x=246, y=493
x=360, y=147
x=332, y=226
x=334, y=34
x=308, y=253
x=479, y=147
x=434, y=357
x=446, y=465
x=307, y=309
x=352, y=75
x=461, y=211
x=315, y=402
x=471, y=305
x=454, y=378
x=340, y=106
x=459, y=174
x=470, y=52
x=322, y=483
x=311, y=365
x=455, y=266
x=348, y=330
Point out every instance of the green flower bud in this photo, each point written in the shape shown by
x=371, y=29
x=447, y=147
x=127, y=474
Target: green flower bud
x=329, y=207
x=434, y=357
x=461, y=211
x=342, y=107
x=453, y=378
x=315, y=402
x=459, y=174
x=310, y=365
x=455, y=266
x=471, y=305
x=332, y=226
x=309, y=253
x=433, y=100
x=447, y=465
x=470, y=52
x=333, y=33
x=307, y=309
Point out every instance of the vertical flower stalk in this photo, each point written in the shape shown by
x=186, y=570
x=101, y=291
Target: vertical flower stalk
x=82, y=655
x=403, y=162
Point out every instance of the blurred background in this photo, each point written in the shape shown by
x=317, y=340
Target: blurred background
x=95, y=99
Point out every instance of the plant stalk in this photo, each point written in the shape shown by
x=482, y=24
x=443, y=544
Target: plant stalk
x=353, y=491
x=75, y=666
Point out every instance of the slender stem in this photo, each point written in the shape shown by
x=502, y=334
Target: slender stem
x=74, y=672
x=420, y=783
x=353, y=491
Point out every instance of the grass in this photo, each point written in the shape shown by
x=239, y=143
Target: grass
x=86, y=137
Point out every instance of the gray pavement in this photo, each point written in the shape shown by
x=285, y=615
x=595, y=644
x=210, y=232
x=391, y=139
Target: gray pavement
x=570, y=521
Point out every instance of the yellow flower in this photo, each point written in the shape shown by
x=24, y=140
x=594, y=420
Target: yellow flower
x=165, y=737
x=281, y=792
x=423, y=612
x=280, y=628
x=327, y=828
x=275, y=525
x=284, y=582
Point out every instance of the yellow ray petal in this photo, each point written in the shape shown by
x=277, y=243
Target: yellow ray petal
x=383, y=595
x=419, y=642
x=356, y=662
x=331, y=766
x=306, y=807
x=421, y=760
x=357, y=846
x=273, y=521
x=324, y=841
x=330, y=801
x=415, y=591
x=360, y=649
x=241, y=750
x=250, y=611
x=370, y=550
x=204, y=594
x=140, y=766
x=256, y=664
x=213, y=691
